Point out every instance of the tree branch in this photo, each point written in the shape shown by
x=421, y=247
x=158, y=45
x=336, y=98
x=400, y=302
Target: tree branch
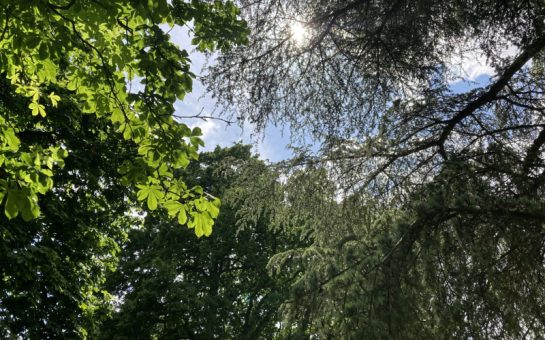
x=533, y=151
x=530, y=51
x=62, y=7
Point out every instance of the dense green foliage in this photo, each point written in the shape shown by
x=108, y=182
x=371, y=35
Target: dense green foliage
x=87, y=93
x=53, y=267
x=460, y=259
x=92, y=53
x=421, y=216
x=172, y=286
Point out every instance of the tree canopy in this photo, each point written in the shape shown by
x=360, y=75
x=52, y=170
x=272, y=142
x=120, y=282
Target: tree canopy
x=413, y=208
x=93, y=53
x=53, y=267
x=172, y=286
x=371, y=81
x=87, y=131
x=424, y=203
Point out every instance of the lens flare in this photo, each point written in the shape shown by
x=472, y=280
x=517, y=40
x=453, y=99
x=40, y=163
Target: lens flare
x=298, y=33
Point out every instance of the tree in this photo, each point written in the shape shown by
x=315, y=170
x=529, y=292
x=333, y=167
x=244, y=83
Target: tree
x=371, y=81
x=426, y=202
x=171, y=286
x=80, y=147
x=462, y=258
x=54, y=266
x=93, y=53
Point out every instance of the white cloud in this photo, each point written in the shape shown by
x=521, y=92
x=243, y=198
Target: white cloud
x=470, y=62
x=473, y=65
x=208, y=127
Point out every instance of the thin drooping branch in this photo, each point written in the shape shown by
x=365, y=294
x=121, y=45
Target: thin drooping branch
x=533, y=151
x=340, y=11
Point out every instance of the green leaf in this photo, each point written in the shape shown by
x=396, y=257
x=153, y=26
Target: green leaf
x=153, y=193
x=182, y=216
x=182, y=160
x=35, y=94
x=152, y=202
x=11, y=139
x=27, y=158
x=198, y=189
x=143, y=192
x=196, y=141
x=13, y=203
x=202, y=223
x=117, y=116
x=213, y=208
x=173, y=207
x=30, y=210
x=47, y=172
x=201, y=204
x=54, y=99
x=37, y=109
x=197, y=132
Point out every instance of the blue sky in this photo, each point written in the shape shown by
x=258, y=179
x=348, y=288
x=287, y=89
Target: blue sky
x=273, y=143
x=270, y=145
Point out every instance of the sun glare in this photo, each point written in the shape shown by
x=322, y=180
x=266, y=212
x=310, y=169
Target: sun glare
x=298, y=33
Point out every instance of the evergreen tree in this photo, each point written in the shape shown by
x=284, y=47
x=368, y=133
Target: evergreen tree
x=423, y=207
x=371, y=82
x=462, y=258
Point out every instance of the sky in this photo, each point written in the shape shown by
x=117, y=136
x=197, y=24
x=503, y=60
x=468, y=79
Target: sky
x=272, y=144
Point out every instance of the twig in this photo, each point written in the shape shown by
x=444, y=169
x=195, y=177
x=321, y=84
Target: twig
x=205, y=118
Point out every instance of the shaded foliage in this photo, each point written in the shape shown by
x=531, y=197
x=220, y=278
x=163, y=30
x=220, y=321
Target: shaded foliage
x=171, y=286
x=463, y=258
x=53, y=267
x=424, y=206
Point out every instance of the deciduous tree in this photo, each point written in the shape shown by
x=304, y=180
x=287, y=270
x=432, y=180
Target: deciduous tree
x=171, y=286
x=93, y=53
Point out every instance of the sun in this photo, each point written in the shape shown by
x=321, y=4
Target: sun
x=298, y=33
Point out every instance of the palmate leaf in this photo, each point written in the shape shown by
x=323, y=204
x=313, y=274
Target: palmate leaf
x=54, y=99
x=202, y=223
x=153, y=194
x=35, y=94
x=212, y=207
x=178, y=209
x=37, y=109
x=173, y=207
